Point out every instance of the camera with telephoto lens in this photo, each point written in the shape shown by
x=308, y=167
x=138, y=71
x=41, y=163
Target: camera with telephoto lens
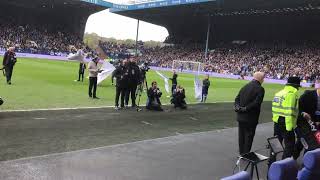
x=144, y=67
x=157, y=92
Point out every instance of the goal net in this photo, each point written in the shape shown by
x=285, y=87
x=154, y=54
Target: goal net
x=190, y=67
x=187, y=66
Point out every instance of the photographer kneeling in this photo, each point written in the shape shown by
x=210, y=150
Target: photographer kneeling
x=179, y=98
x=154, y=94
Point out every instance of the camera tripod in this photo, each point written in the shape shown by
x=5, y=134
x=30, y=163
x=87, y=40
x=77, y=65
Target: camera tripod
x=140, y=91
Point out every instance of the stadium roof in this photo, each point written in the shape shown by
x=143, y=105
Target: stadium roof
x=53, y=3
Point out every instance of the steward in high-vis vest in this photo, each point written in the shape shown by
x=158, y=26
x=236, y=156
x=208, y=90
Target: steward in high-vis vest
x=285, y=113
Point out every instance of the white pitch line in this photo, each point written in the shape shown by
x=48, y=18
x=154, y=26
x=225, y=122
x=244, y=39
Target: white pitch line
x=97, y=107
x=39, y=118
x=147, y=123
x=193, y=118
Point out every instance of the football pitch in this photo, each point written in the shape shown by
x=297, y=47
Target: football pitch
x=42, y=84
x=46, y=84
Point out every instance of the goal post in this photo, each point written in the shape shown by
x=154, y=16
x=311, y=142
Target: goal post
x=187, y=66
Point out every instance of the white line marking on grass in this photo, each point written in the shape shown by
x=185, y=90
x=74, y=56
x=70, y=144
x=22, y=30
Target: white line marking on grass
x=116, y=145
x=147, y=123
x=178, y=134
x=39, y=118
x=97, y=107
x=193, y=118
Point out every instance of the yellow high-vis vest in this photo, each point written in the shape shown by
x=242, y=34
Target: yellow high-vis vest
x=285, y=104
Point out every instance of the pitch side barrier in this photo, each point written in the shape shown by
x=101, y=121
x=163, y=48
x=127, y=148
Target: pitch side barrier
x=230, y=76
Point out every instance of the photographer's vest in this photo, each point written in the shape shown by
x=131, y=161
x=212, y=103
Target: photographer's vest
x=285, y=104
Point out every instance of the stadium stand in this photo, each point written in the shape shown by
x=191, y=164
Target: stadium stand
x=44, y=27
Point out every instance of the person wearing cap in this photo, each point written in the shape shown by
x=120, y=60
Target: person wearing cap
x=248, y=105
x=308, y=123
x=9, y=60
x=285, y=113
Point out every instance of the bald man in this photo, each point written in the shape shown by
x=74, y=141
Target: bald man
x=247, y=105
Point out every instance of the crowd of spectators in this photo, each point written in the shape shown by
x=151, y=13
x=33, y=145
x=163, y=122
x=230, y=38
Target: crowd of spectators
x=278, y=60
x=34, y=39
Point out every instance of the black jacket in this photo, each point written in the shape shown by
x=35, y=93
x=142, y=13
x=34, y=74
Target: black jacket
x=308, y=103
x=174, y=79
x=154, y=97
x=121, y=75
x=9, y=59
x=134, y=74
x=82, y=67
x=251, y=97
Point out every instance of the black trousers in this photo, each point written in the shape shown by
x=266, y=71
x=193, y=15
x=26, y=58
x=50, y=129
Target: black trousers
x=285, y=137
x=131, y=90
x=81, y=76
x=8, y=69
x=93, y=86
x=246, y=135
x=120, y=91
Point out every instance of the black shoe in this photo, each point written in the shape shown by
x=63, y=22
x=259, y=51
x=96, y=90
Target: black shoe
x=90, y=96
x=96, y=97
x=9, y=83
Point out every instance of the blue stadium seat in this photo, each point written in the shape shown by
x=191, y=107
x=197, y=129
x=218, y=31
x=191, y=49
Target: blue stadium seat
x=283, y=170
x=311, y=170
x=243, y=175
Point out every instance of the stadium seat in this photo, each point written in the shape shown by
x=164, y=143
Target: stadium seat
x=283, y=170
x=243, y=175
x=311, y=170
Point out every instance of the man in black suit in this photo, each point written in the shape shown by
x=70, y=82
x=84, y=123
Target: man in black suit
x=133, y=81
x=247, y=105
x=308, y=120
x=82, y=68
x=9, y=60
x=121, y=74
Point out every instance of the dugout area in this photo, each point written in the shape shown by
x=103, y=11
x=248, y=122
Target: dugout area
x=177, y=154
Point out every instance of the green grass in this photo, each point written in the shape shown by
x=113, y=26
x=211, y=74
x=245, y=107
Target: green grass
x=50, y=84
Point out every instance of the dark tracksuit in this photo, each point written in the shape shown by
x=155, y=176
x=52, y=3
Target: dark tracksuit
x=9, y=60
x=121, y=75
x=82, y=68
x=174, y=82
x=133, y=81
x=251, y=97
x=205, y=89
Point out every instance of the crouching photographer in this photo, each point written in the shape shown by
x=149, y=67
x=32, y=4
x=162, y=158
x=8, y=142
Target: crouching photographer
x=154, y=94
x=179, y=98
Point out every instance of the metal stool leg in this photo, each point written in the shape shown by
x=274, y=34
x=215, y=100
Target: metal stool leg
x=251, y=171
x=257, y=172
x=247, y=166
